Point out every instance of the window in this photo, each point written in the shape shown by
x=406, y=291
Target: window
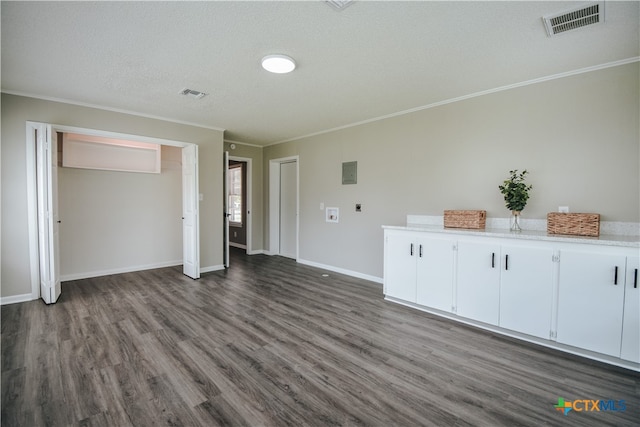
x=235, y=195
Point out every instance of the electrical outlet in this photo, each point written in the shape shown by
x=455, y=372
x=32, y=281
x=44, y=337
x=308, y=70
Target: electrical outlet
x=563, y=209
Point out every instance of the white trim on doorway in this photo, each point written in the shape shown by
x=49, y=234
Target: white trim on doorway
x=248, y=188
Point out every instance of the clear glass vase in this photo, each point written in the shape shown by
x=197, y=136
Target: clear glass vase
x=514, y=223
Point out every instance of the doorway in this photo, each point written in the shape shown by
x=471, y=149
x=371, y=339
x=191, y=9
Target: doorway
x=237, y=204
x=284, y=207
x=45, y=258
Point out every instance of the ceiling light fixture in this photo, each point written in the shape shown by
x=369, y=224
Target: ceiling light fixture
x=279, y=64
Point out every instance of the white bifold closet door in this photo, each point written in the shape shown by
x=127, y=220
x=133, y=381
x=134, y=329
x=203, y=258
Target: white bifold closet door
x=226, y=208
x=190, y=220
x=48, y=219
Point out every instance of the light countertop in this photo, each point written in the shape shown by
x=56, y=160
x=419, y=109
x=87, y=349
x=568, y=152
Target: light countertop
x=603, y=239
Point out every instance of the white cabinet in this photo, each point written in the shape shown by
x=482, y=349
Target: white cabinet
x=419, y=269
x=478, y=282
x=510, y=286
x=591, y=300
x=400, y=265
x=526, y=290
x=631, y=316
x=573, y=296
x=435, y=273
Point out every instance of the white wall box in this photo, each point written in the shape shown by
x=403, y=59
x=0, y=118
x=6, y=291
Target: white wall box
x=579, y=296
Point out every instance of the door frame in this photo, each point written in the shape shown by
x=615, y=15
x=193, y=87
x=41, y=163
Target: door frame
x=32, y=202
x=248, y=192
x=274, y=204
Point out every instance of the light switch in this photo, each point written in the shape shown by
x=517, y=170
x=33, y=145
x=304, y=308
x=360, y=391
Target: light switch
x=201, y=197
x=321, y=206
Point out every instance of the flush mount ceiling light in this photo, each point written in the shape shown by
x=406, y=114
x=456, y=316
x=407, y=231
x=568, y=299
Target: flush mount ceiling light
x=278, y=64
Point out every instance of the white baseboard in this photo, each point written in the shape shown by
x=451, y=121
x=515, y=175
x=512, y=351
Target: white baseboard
x=90, y=274
x=211, y=268
x=14, y=299
x=257, y=252
x=342, y=271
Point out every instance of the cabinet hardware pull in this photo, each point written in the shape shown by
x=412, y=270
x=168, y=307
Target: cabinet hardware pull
x=506, y=262
x=615, y=276
x=635, y=278
x=412, y=249
x=420, y=251
x=493, y=260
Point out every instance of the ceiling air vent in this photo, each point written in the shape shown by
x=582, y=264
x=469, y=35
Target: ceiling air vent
x=338, y=4
x=192, y=93
x=587, y=14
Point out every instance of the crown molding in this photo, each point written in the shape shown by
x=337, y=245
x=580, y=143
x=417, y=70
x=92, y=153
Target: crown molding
x=469, y=96
x=111, y=109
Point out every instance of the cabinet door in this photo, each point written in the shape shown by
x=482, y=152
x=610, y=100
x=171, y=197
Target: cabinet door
x=590, y=303
x=400, y=265
x=526, y=290
x=478, y=285
x=435, y=273
x=631, y=316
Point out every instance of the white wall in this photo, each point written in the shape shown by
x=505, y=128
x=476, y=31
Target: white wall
x=578, y=136
x=17, y=110
x=118, y=221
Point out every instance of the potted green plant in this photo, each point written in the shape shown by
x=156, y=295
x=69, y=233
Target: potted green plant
x=516, y=194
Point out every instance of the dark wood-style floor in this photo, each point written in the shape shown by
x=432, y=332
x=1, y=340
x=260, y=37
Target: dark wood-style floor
x=272, y=342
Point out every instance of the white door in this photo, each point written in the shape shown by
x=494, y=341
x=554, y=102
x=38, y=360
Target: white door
x=190, y=220
x=225, y=208
x=288, y=209
x=48, y=221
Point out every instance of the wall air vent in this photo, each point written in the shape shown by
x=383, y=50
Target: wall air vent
x=591, y=13
x=339, y=4
x=192, y=93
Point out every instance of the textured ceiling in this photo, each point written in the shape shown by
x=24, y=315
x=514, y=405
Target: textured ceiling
x=370, y=60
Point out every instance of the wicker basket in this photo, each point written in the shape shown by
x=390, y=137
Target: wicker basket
x=576, y=224
x=465, y=219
